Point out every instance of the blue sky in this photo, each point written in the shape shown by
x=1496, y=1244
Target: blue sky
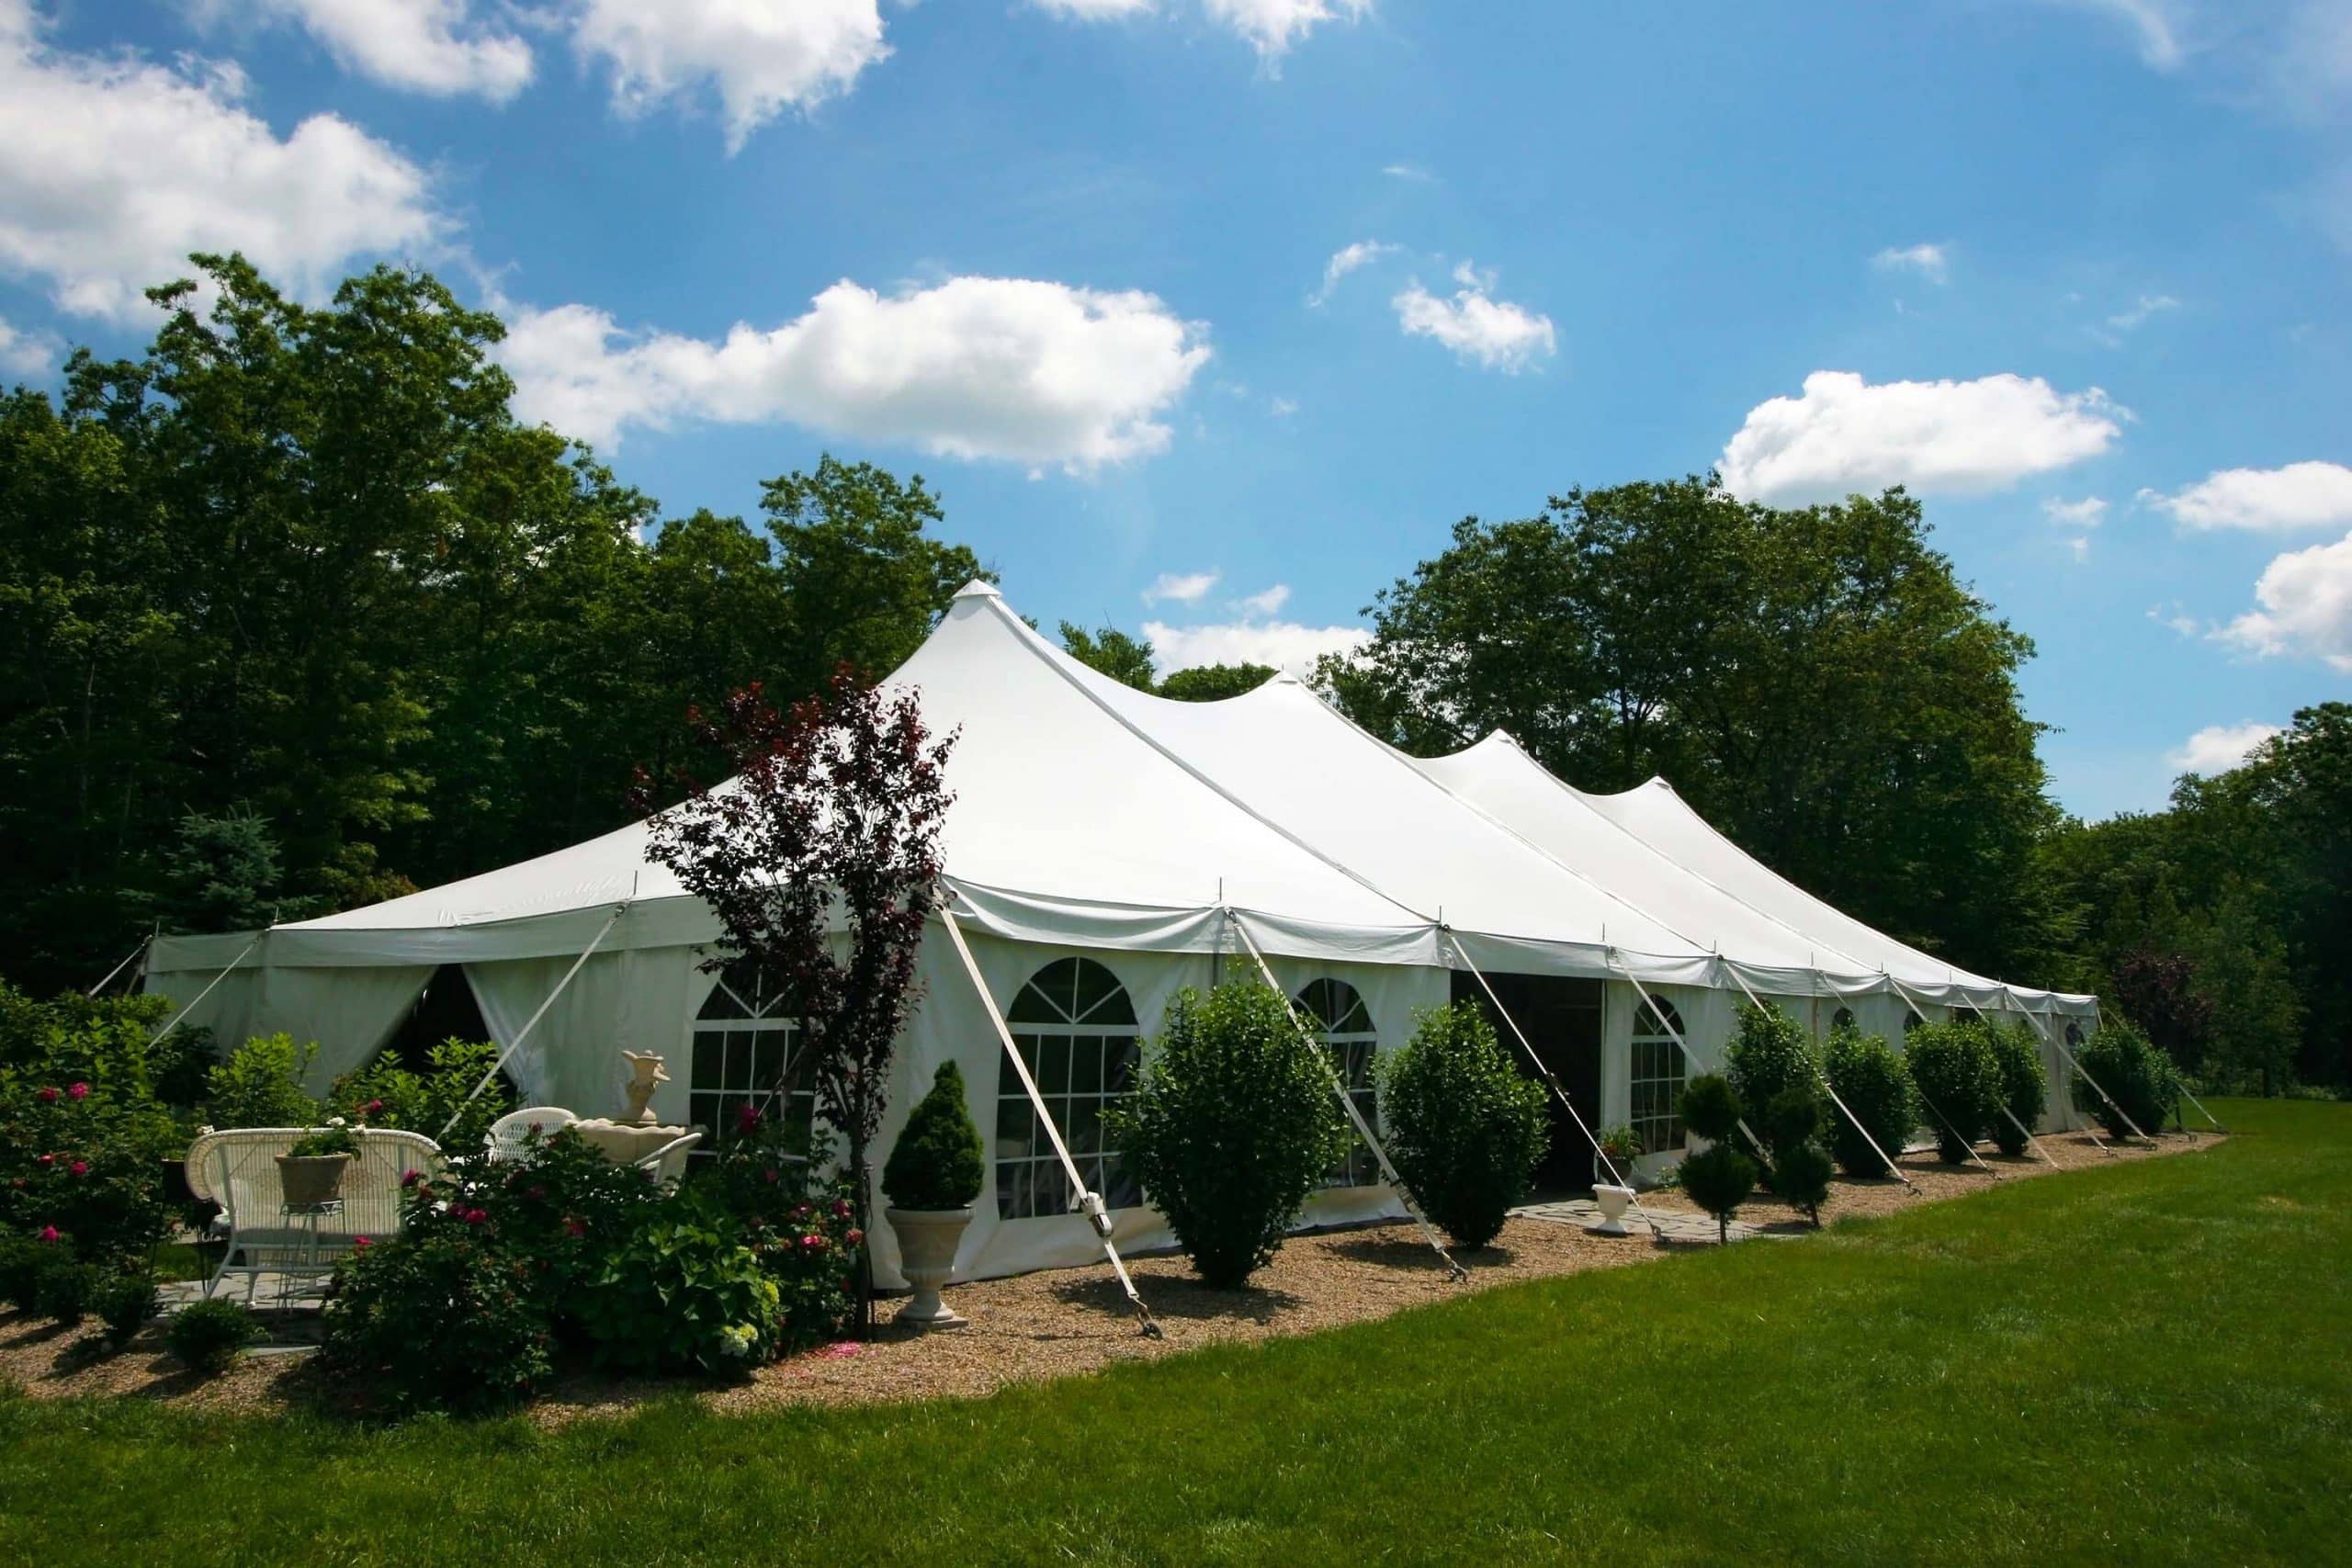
x=1069, y=259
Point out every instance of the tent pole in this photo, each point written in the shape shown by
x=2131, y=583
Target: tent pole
x=1550, y=1077
x=175, y=1021
x=1088, y=1204
x=2059, y=1041
x=1453, y=1271
x=524, y=1032
x=1831, y=1089
x=135, y=952
x=1917, y=1006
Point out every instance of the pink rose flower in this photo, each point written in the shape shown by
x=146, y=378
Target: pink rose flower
x=747, y=1118
x=840, y=1208
x=411, y=1178
x=78, y=1090
x=476, y=1216
x=80, y=1168
x=801, y=1213
x=49, y=1232
x=855, y=1237
x=371, y=1108
x=361, y=1242
x=48, y=1159
x=812, y=1243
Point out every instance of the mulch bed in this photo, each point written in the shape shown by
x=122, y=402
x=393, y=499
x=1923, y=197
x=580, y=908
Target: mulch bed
x=1055, y=1323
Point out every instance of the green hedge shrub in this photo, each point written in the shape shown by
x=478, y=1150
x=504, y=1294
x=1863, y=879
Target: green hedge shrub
x=683, y=1293
x=1231, y=1126
x=2024, y=1085
x=1952, y=1067
x=386, y=1094
x=439, y=1317
x=65, y=1289
x=2140, y=1078
x=207, y=1336
x=1801, y=1174
x=261, y=1085
x=1876, y=1087
x=1769, y=1056
x=1719, y=1179
x=937, y=1162
x=124, y=1302
x=1465, y=1128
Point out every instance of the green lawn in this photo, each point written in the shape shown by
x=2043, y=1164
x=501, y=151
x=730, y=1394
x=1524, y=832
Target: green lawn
x=2140, y=1362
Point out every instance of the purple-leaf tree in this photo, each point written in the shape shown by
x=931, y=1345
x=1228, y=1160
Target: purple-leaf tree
x=819, y=857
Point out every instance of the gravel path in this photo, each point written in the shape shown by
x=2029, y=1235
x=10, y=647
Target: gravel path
x=1061, y=1322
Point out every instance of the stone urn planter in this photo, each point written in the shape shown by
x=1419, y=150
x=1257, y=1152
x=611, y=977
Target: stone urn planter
x=927, y=1242
x=1612, y=1201
x=311, y=1180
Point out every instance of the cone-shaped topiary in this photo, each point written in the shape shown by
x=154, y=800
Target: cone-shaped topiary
x=937, y=1161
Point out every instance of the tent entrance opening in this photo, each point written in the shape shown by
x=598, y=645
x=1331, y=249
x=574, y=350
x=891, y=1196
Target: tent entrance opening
x=1560, y=1015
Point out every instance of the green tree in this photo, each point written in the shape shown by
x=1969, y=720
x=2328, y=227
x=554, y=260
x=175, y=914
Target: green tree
x=1213, y=683
x=1125, y=659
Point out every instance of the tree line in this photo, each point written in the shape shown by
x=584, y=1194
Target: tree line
x=295, y=614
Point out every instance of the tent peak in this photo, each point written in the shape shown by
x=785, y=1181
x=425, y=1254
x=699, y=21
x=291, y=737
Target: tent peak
x=979, y=589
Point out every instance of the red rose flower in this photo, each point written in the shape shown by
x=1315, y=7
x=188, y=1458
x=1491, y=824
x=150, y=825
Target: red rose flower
x=80, y=1168
x=840, y=1208
x=48, y=1159
x=574, y=1226
x=361, y=1243
x=747, y=1118
x=78, y=1090
x=773, y=1174
x=411, y=1178
x=48, y=1095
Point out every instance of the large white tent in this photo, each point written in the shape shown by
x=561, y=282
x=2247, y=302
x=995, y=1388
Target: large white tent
x=1107, y=848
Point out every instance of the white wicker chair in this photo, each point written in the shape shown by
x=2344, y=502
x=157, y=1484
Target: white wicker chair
x=238, y=1170
x=509, y=1134
x=668, y=1163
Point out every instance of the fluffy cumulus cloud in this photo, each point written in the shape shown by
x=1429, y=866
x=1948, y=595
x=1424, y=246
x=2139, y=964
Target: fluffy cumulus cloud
x=1180, y=587
x=759, y=57
x=1345, y=260
x=1930, y=262
x=1273, y=26
x=1480, y=329
x=423, y=46
x=992, y=367
x=2218, y=748
x=1267, y=602
x=1285, y=645
x=1843, y=435
x=113, y=169
x=2305, y=599
x=23, y=352
x=2266, y=501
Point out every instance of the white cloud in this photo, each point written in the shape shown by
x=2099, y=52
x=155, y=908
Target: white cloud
x=1844, y=436
x=23, y=352
x=2084, y=514
x=985, y=367
x=1285, y=645
x=2218, y=748
x=1183, y=588
x=2139, y=311
x=1345, y=260
x=2081, y=546
x=424, y=46
x=761, y=57
x=1282, y=407
x=1412, y=172
x=2306, y=599
x=1930, y=262
x=2156, y=27
x=112, y=170
x=1269, y=602
x=1273, y=26
x=2174, y=618
x=1493, y=334
x=2267, y=501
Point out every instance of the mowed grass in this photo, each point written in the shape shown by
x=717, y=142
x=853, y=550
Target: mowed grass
x=2142, y=1363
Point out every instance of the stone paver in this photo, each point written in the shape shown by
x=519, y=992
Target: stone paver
x=1677, y=1226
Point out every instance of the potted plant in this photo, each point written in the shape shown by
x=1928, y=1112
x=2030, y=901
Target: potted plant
x=933, y=1175
x=1623, y=1146
x=310, y=1173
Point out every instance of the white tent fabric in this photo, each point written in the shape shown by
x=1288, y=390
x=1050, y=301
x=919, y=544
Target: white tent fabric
x=1091, y=819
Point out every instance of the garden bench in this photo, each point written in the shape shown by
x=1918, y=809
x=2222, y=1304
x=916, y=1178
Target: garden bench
x=237, y=1168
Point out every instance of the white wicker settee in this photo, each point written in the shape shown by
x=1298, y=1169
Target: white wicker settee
x=238, y=1170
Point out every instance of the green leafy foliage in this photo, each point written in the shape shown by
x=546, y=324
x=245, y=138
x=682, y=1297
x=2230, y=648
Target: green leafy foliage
x=22, y=1258
x=1801, y=1174
x=1768, y=1056
x=2024, y=1085
x=1231, y=1126
x=1465, y=1128
x=1953, y=1069
x=1215, y=682
x=124, y=1301
x=1125, y=658
x=1876, y=1087
x=65, y=1287
x=2141, y=1078
x=260, y=1084
x=441, y=1317
x=1711, y=1107
x=683, y=1293
x=937, y=1162
x=208, y=1335
x=1719, y=1179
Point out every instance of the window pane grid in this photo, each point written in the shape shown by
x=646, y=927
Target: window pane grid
x=1335, y=1011
x=1074, y=1031
x=1656, y=1078
x=743, y=1048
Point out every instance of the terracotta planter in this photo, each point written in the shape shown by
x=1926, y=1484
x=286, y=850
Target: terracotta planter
x=310, y=1180
x=927, y=1242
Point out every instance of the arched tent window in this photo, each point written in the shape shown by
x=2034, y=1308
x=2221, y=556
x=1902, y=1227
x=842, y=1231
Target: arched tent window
x=1842, y=1019
x=1076, y=1029
x=1335, y=1011
x=1657, y=1076
x=743, y=1045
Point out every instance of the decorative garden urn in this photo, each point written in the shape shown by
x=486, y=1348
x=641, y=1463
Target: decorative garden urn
x=927, y=1242
x=646, y=1075
x=1612, y=1201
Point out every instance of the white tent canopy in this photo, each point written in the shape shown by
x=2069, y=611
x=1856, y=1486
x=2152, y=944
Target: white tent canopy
x=1092, y=819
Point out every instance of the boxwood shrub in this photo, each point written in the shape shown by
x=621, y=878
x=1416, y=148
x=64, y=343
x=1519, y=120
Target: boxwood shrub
x=1231, y=1126
x=1953, y=1069
x=2140, y=1077
x=1769, y=1056
x=2024, y=1085
x=207, y=1336
x=1876, y=1087
x=1465, y=1128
